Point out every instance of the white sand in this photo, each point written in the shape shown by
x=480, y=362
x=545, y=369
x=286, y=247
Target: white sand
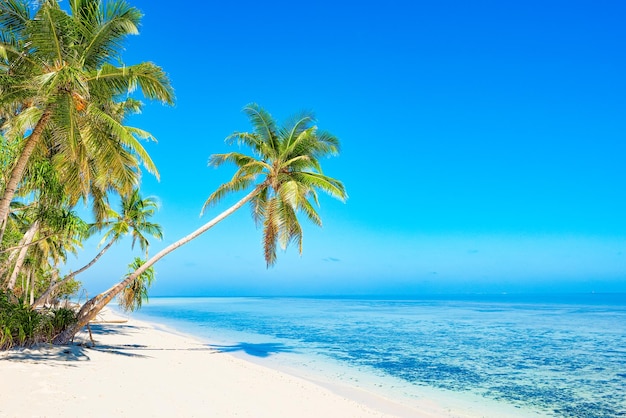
x=137, y=370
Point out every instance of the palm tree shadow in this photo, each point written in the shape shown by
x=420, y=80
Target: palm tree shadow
x=47, y=354
x=101, y=329
x=79, y=349
x=261, y=350
x=125, y=350
x=111, y=329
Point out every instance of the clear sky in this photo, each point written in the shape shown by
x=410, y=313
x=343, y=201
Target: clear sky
x=482, y=143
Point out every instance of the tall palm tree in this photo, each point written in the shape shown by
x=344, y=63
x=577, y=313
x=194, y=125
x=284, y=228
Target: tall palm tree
x=133, y=219
x=284, y=173
x=57, y=81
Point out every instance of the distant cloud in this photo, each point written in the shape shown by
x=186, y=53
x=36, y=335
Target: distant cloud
x=332, y=259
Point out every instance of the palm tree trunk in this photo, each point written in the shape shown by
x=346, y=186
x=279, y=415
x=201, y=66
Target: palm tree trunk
x=20, y=166
x=32, y=286
x=91, y=308
x=42, y=299
x=25, y=283
x=28, y=237
x=28, y=287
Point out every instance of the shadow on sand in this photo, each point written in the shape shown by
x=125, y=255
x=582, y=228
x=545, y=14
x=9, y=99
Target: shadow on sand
x=49, y=354
x=257, y=350
x=81, y=347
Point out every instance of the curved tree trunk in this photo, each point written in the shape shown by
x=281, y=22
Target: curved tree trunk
x=42, y=299
x=91, y=308
x=20, y=166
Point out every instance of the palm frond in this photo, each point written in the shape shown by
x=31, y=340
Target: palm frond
x=140, y=133
x=263, y=124
x=125, y=136
x=307, y=208
x=326, y=144
x=251, y=140
x=23, y=122
x=14, y=16
x=295, y=126
x=104, y=30
x=270, y=232
x=330, y=186
x=300, y=143
x=150, y=78
x=236, y=184
x=296, y=194
x=288, y=226
x=51, y=33
x=258, y=205
x=236, y=158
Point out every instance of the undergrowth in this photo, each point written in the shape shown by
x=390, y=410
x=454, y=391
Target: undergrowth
x=20, y=325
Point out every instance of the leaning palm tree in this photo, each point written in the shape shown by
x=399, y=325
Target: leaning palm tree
x=61, y=81
x=284, y=174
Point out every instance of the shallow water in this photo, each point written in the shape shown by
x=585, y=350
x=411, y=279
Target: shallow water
x=561, y=357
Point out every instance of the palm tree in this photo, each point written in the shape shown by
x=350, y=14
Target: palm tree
x=133, y=219
x=58, y=84
x=284, y=173
x=136, y=292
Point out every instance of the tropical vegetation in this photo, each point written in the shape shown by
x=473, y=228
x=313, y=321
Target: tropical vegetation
x=64, y=100
x=64, y=97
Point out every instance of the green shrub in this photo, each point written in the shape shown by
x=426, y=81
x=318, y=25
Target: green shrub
x=62, y=318
x=22, y=326
x=17, y=322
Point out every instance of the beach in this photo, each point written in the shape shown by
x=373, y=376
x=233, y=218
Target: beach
x=138, y=369
x=299, y=357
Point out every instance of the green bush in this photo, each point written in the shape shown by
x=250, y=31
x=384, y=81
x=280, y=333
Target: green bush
x=62, y=318
x=22, y=326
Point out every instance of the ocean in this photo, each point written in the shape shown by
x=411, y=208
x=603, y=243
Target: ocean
x=553, y=356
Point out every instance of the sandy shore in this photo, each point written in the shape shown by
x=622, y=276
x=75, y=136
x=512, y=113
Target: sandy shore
x=138, y=370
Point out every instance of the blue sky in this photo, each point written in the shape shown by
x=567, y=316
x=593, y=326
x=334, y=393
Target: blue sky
x=482, y=144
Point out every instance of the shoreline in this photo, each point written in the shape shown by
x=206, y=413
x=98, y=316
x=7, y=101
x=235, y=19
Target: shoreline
x=143, y=368
x=363, y=384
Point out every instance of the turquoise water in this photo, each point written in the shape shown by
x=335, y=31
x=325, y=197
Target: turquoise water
x=563, y=356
